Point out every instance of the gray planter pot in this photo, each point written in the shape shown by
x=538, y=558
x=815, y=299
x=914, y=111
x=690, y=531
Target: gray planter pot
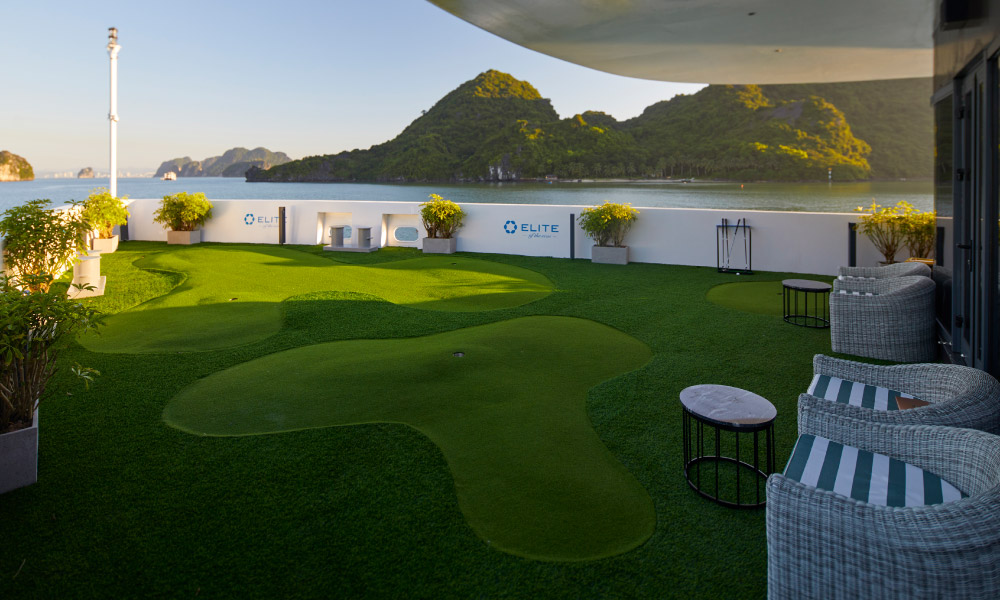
x=609, y=255
x=184, y=237
x=19, y=457
x=105, y=246
x=440, y=246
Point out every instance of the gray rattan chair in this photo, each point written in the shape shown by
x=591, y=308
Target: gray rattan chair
x=902, y=269
x=959, y=396
x=821, y=544
x=890, y=319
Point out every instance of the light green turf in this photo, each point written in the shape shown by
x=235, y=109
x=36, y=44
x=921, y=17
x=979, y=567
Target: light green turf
x=761, y=297
x=231, y=295
x=532, y=476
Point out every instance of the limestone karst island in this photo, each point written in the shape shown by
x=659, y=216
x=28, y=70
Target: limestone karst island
x=14, y=167
x=498, y=128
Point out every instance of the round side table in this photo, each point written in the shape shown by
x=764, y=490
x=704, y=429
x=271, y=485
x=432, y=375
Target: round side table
x=717, y=409
x=800, y=314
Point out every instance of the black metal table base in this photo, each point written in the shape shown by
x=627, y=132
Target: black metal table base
x=817, y=318
x=707, y=483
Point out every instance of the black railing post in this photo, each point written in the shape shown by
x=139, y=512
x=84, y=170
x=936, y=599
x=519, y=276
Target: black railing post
x=572, y=235
x=852, y=245
x=281, y=224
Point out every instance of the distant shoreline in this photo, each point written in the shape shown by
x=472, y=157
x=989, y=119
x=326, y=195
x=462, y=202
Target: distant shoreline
x=605, y=181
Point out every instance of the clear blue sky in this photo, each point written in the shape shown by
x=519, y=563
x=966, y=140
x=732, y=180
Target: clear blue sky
x=303, y=77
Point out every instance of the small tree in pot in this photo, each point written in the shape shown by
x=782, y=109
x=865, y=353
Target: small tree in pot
x=103, y=212
x=41, y=242
x=183, y=214
x=920, y=232
x=442, y=219
x=32, y=325
x=891, y=227
x=607, y=225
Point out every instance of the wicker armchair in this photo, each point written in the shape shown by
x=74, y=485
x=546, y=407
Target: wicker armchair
x=821, y=544
x=902, y=269
x=890, y=319
x=959, y=396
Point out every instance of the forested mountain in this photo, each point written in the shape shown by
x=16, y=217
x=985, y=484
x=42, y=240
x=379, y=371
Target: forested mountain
x=894, y=117
x=14, y=167
x=497, y=128
x=233, y=163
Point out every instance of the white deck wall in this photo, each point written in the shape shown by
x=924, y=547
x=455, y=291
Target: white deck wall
x=795, y=242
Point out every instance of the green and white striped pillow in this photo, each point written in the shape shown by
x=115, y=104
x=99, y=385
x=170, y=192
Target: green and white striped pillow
x=856, y=394
x=865, y=476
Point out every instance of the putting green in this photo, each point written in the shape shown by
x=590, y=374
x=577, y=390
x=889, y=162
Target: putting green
x=231, y=296
x=762, y=297
x=531, y=474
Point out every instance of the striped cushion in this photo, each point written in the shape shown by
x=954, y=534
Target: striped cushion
x=845, y=292
x=848, y=277
x=853, y=393
x=865, y=476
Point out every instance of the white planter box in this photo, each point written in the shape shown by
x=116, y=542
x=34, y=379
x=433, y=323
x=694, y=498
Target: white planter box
x=184, y=237
x=105, y=246
x=440, y=245
x=609, y=255
x=19, y=457
x=87, y=272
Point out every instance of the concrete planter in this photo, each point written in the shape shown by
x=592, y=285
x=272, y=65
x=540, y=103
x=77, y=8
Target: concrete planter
x=440, y=245
x=609, y=255
x=105, y=246
x=87, y=272
x=19, y=457
x=184, y=237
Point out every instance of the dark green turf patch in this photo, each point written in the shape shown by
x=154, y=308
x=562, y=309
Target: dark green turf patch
x=230, y=296
x=508, y=412
x=760, y=297
x=127, y=506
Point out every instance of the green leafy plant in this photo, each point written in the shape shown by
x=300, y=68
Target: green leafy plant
x=919, y=231
x=441, y=218
x=892, y=227
x=103, y=211
x=42, y=242
x=608, y=223
x=183, y=211
x=883, y=225
x=32, y=324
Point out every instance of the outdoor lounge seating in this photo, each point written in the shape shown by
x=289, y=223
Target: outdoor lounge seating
x=903, y=269
x=890, y=319
x=959, y=396
x=925, y=523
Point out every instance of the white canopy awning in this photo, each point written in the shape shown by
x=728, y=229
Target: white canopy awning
x=720, y=41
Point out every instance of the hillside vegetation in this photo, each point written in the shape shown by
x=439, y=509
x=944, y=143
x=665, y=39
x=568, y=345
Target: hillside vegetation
x=15, y=168
x=894, y=117
x=497, y=128
x=233, y=163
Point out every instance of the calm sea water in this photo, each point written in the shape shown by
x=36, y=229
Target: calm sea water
x=814, y=197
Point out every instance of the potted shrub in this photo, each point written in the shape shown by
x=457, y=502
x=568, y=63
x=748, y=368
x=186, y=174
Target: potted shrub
x=183, y=214
x=41, y=243
x=103, y=212
x=920, y=233
x=607, y=225
x=442, y=219
x=883, y=225
x=32, y=324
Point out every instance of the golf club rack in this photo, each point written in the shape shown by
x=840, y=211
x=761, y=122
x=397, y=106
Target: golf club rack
x=732, y=247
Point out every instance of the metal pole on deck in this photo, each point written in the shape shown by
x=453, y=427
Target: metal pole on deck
x=113, y=49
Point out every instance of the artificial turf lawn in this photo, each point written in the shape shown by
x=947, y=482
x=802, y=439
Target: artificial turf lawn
x=229, y=296
x=762, y=297
x=127, y=506
x=509, y=416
